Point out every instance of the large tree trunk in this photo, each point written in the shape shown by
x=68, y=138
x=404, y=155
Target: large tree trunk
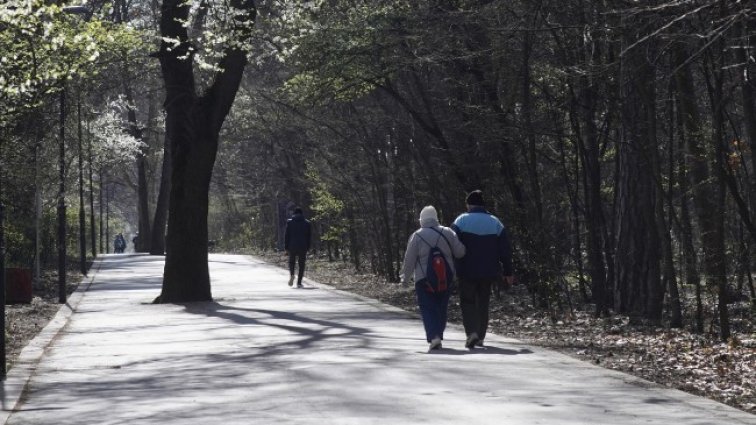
x=193, y=123
x=638, y=288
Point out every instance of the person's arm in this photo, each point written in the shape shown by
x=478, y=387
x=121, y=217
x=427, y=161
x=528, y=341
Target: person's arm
x=287, y=236
x=455, y=228
x=308, y=235
x=410, y=258
x=458, y=248
x=505, y=253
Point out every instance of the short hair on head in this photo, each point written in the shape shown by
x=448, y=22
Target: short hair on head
x=297, y=210
x=475, y=198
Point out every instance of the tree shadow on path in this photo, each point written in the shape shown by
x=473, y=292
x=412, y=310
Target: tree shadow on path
x=313, y=330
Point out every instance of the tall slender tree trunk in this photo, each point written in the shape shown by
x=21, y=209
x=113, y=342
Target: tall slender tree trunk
x=62, y=227
x=104, y=244
x=90, y=165
x=638, y=288
x=670, y=272
x=82, y=214
x=194, y=123
x=747, y=85
x=707, y=196
x=589, y=155
x=530, y=136
x=719, y=143
x=143, y=196
x=584, y=125
x=3, y=282
x=159, y=223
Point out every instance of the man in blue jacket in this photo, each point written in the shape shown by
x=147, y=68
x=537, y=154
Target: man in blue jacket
x=488, y=259
x=297, y=243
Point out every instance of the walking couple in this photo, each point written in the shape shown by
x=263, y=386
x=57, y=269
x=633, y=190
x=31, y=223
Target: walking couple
x=479, y=243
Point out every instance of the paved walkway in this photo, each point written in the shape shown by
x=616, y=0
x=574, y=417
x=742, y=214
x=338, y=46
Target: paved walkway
x=265, y=353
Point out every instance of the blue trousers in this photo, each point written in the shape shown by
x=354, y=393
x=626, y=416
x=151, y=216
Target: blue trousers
x=433, y=309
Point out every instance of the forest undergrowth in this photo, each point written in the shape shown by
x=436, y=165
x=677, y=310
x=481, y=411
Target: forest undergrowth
x=674, y=358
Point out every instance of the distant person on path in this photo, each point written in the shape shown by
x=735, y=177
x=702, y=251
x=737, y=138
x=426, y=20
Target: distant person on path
x=135, y=241
x=432, y=300
x=119, y=244
x=488, y=259
x=297, y=243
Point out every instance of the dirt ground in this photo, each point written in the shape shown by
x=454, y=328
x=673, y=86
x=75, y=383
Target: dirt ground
x=24, y=321
x=698, y=364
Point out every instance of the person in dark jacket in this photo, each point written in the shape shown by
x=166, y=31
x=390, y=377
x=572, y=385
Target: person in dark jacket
x=297, y=243
x=119, y=244
x=488, y=258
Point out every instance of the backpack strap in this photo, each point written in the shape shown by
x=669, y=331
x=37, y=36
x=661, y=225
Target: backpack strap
x=442, y=236
x=423, y=239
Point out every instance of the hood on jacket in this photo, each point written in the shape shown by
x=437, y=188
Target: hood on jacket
x=428, y=217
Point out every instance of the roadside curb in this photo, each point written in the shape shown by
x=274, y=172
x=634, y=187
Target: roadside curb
x=14, y=386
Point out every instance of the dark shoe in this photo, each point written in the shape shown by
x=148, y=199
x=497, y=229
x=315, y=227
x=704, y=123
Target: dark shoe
x=479, y=343
x=472, y=340
x=291, y=280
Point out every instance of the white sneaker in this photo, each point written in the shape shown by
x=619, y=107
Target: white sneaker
x=291, y=280
x=435, y=343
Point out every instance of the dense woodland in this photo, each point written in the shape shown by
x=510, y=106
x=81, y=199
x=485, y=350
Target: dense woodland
x=615, y=139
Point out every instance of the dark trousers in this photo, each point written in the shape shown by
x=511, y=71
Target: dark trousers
x=474, y=298
x=299, y=257
x=433, y=309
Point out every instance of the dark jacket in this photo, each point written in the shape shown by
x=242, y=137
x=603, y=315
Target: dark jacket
x=297, y=236
x=489, y=253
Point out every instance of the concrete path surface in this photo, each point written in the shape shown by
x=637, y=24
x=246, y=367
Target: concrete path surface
x=265, y=353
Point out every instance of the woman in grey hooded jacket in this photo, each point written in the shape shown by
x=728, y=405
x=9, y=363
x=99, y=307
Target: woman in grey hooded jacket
x=433, y=304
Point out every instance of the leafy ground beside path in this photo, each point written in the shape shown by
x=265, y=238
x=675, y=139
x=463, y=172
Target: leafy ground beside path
x=698, y=364
x=24, y=321
x=673, y=358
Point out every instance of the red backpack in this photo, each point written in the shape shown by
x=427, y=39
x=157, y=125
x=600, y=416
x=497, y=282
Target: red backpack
x=438, y=272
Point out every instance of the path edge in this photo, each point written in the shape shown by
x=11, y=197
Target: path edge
x=18, y=377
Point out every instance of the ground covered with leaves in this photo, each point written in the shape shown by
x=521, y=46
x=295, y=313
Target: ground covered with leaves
x=24, y=321
x=674, y=358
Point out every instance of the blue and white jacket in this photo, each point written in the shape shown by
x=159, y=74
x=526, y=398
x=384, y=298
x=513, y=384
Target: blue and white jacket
x=489, y=252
